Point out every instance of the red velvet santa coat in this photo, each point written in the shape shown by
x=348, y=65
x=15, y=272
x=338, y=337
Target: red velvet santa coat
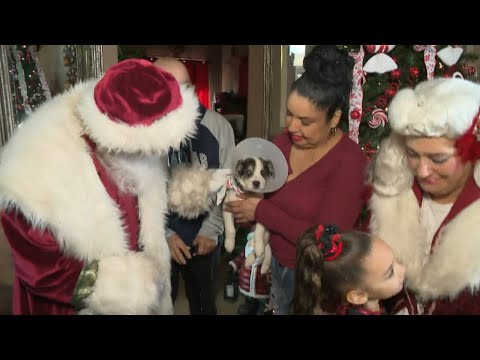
x=449, y=281
x=74, y=235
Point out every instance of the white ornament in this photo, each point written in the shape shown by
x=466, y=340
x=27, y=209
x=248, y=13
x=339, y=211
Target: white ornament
x=380, y=63
x=450, y=55
x=458, y=75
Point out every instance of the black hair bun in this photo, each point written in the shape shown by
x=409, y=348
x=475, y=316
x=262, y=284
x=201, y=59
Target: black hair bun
x=329, y=65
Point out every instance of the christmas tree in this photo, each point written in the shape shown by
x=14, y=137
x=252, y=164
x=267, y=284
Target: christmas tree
x=125, y=52
x=381, y=70
x=29, y=86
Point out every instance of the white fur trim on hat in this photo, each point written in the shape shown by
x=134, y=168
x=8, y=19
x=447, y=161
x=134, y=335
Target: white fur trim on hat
x=165, y=133
x=439, y=107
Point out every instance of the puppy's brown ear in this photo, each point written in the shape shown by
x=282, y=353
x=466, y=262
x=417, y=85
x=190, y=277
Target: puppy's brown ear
x=268, y=166
x=239, y=168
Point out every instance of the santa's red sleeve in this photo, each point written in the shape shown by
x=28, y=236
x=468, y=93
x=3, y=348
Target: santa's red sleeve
x=45, y=279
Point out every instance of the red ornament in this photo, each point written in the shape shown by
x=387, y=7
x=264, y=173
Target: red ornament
x=395, y=84
x=414, y=72
x=395, y=74
x=451, y=70
x=390, y=92
x=369, y=150
x=381, y=101
x=355, y=114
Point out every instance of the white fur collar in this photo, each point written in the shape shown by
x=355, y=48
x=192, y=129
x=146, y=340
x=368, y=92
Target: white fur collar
x=454, y=265
x=46, y=171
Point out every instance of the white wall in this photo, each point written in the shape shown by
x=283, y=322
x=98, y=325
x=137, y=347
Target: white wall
x=51, y=61
x=229, y=70
x=110, y=55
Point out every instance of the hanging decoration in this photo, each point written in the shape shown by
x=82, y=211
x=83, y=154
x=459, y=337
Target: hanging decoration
x=17, y=54
x=379, y=63
x=356, y=95
x=429, y=52
x=450, y=55
x=69, y=61
x=391, y=68
x=41, y=74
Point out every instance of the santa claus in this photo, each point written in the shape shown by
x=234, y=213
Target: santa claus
x=83, y=194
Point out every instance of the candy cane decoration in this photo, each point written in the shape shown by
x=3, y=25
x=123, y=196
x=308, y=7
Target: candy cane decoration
x=429, y=53
x=356, y=96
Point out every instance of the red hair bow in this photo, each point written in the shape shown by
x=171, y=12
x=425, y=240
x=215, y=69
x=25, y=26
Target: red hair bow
x=335, y=248
x=468, y=147
x=331, y=245
x=319, y=232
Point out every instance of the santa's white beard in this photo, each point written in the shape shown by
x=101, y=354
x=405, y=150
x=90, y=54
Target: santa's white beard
x=129, y=171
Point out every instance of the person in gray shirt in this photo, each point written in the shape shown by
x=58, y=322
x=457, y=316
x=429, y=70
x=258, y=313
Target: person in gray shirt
x=193, y=243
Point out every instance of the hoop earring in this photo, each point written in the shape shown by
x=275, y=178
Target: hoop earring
x=333, y=131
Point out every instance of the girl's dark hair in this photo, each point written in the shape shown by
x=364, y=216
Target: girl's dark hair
x=327, y=80
x=321, y=286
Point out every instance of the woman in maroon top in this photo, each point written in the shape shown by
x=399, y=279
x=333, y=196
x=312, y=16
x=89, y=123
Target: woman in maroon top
x=326, y=169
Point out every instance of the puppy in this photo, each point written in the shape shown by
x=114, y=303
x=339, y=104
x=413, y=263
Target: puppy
x=250, y=176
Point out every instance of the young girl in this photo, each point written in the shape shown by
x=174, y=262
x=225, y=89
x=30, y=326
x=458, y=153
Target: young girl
x=345, y=274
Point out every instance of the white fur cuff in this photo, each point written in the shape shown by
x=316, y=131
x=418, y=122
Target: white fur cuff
x=128, y=285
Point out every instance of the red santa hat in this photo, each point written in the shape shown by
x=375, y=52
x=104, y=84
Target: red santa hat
x=440, y=107
x=138, y=107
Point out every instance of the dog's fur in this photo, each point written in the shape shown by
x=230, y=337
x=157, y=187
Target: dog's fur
x=250, y=176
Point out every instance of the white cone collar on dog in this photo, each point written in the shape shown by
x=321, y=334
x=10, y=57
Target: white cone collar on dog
x=258, y=147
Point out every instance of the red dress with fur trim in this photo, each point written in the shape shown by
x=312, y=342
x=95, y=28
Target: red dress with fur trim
x=448, y=283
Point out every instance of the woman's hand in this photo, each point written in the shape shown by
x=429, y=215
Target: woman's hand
x=243, y=210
